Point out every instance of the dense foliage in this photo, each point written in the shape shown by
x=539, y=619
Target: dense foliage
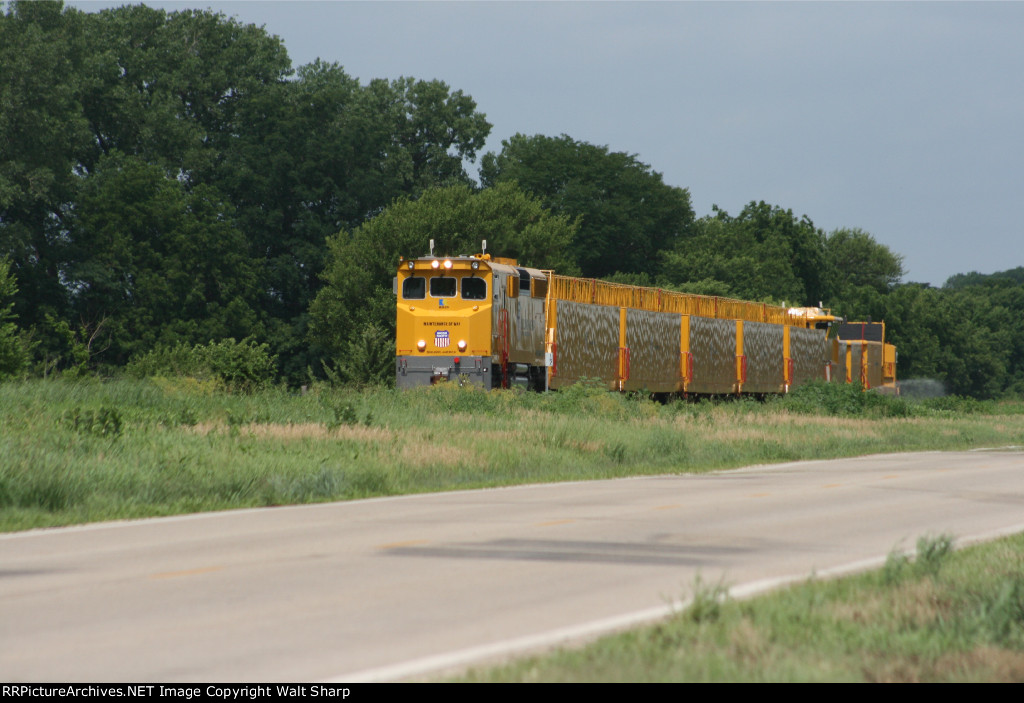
x=236, y=366
x=12, y=352
x=626, y=213
x=169, y=179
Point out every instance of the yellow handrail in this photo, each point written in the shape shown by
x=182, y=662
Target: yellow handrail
x=590, y=290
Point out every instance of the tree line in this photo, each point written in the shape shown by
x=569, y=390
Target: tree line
x=169, y=178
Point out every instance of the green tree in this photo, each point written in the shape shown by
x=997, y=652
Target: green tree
x=297, y=171
x=1001, y=298
x=858, y=261
x=626, y=213
x=962, y=339
x=425, y=133
x=43, y=136
x=168, y=87
x=80, y=88
x=208, y=104
x=998, y=279
x=322, y=153
x=764, y=253
x=155, y=262
x=12, y=351
x=356, y=300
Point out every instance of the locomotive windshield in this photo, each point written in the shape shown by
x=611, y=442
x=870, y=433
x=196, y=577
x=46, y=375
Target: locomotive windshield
x=472, y=288
x=442, y=287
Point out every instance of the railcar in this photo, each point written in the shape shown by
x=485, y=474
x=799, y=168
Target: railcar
x=489, y=321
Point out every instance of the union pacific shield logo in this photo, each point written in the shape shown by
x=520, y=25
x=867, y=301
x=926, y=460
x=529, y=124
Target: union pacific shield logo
x=441, y=339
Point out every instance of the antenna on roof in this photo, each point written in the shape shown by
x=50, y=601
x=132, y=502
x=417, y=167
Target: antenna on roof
x=483, y=247
x=431, y=247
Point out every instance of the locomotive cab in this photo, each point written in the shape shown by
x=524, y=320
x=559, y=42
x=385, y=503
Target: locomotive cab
x=443, y=327
x=474, y=319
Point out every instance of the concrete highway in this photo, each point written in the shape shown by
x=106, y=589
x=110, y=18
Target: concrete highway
x=402, y=587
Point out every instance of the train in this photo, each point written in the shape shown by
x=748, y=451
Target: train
x=488, y=321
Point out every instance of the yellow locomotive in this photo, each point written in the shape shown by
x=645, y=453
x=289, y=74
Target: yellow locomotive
x=488, y=321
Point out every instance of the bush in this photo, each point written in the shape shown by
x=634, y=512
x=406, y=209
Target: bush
x=369, y=360
x=12, y=351
x=240, y=366
x=932, y=552
x=842, y=399
x=956, y=405
x=104, y=422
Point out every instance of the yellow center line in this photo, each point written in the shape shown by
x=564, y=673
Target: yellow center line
x=759, y=495
x=890, y=477
x=668, y=507
x=185, y=572
x=832, y=485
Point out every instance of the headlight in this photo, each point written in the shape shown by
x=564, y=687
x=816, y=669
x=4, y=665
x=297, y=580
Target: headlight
x=411, y=264
x=447, y=264
x=462, y=345
x=475, y=265
x=435, y=264
x=421, y=345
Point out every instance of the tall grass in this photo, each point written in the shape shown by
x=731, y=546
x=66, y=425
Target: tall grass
x=92, y=450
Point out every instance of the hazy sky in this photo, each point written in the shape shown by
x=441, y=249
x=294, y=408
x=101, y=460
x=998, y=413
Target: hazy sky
x=903, y=119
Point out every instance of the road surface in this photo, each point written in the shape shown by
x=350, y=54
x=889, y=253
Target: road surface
x=398, y=587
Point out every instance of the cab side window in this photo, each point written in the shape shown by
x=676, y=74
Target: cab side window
x=524, y=281
x=474, y=289
x=414, y=288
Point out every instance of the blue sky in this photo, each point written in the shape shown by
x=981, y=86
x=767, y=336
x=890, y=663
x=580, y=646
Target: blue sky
x=903, y=119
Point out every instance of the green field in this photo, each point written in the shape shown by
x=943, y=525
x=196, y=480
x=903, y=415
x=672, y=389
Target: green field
x=89, y=450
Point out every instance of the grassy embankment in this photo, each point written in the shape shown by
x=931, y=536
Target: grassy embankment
x=73, y=452
x=947, y=616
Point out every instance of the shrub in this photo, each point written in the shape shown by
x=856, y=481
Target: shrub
x=240, y=366
x=932, y=553
x=12, y=351
x=104, y=422
x=369, y=360
x=843, y=399
x=956, y=405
